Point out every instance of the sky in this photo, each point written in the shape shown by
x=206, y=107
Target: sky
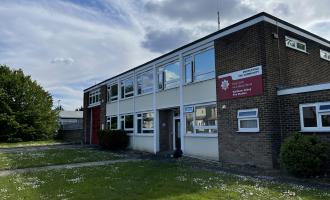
x=69, y=45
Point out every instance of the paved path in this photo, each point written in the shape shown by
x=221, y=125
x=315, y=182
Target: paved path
x=65, y=166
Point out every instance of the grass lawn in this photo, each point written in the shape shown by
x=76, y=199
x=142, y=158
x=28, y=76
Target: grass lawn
x=14, y=160
x=146, y=180
x=30, y=143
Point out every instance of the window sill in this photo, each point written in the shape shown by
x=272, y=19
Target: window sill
x=199, y=81
x=126, y=98
x=316, y=131
x=141, y=95
x=252, y=131
x=210, y=135
x=144, y=135
x=93, y=105
x=158, y=90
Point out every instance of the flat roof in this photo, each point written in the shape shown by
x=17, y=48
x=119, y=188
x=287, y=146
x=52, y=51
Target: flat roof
x=262, y=14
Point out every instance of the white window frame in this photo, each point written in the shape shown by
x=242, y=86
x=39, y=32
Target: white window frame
x=112, y=98
x=248, y=118
x=94, y=94
x=141, y=75
x=195, y=133
x=144, y=129
x=292, y=43
x=124, y=119
x=122, y=84
x=319, y=113
x=160, y=70
x=192, y=62
x=109, y=123
x=324, y=55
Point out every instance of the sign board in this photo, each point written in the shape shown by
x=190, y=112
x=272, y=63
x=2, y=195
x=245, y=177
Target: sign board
x=244, y=83
x=189, y=109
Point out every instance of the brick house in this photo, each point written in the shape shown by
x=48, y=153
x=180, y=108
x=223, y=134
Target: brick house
x=232, y=96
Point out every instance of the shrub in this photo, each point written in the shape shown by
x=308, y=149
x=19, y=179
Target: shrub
x=304, y=156
x=113, y=139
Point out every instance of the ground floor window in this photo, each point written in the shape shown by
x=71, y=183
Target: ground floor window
x=315, y=116
x=112, y=122
x=201, y=119
x=248, y=120
x=145, y=123
x=126, y=123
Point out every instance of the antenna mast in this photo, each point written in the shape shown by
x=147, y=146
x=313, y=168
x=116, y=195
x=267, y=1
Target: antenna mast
x=218, y=12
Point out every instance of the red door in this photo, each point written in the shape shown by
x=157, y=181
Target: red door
x=95, y=124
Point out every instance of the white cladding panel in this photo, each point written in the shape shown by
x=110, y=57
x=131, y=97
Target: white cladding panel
x=168, y=98
x=143, y=103
x=144, y=143
x=112, y=109
x=205, y=147
x=204, y=91
x=126, y=106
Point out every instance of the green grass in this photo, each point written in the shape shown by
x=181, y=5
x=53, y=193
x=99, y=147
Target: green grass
x=146, y=180
x=30, y=143
x=14, y=160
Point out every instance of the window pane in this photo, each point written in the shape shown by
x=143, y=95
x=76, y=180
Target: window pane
x=148, y=120
x=122, y=127
x=325, y=107
x=309, y=115
x=206, y=130
x=172, y=75
x=114, y=92
x=148, y=131
x=145, y=83
x=325, y=120
x=122, y=90
x=160, y=78
x=139, y=126
x=139, y=84
x=114, y=122
x=129, y=86
x=129, y=121
x=206, y=116
x=204, y=65
x=188, y=70
x=249, y=123
x=247, y=113
x=189, y=123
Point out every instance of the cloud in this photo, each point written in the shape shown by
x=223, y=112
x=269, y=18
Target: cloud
x=161, y=41
x=59, y=60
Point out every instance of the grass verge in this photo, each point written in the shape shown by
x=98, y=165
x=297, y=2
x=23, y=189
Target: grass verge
x=30, y=143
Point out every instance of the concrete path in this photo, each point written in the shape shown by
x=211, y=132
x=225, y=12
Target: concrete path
x=65, y=166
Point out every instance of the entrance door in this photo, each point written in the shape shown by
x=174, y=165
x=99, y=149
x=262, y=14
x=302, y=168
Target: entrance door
x=95, y=125
x=177, y=135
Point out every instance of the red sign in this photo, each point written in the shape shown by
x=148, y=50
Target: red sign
x=244, y=83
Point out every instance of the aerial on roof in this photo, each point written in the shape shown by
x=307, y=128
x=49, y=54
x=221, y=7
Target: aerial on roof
x=263, y=16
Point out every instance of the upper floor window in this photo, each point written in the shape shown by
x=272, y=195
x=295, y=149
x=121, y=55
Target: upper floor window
x=325, y=55
x=113, y=92
x=295, y=44
x=200, y=66
x=315, y=117
x=94, y=97
x=201, y=119
x=145, y=82
x=127, y=88
x=169, y=76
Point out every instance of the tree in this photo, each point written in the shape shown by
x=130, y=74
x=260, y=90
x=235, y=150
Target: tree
x=25, y=108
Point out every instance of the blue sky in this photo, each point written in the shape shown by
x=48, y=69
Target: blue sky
x=69, y=45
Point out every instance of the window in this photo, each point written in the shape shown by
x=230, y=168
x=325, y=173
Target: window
x=113, y=93
x=94, y=97
x=126, y=123
x=169, y=76
x=201, y=119
x=145, y=123
x=145, y=83
x=248, y=120
x=127, y=88
x=295, y=44
x=200, y=66
x=315, y=117
x=325, y=55
x=112, y=122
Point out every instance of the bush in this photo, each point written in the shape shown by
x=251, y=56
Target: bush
x=113, y=139
x=304, y=156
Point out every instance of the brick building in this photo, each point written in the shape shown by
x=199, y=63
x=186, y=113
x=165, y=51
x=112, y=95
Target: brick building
x=231, y=96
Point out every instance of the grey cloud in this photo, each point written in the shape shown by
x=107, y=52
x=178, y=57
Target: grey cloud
x=59, y=60
x=197, y=10
x=161, y=41
x=322, y=29
x=281, y=9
